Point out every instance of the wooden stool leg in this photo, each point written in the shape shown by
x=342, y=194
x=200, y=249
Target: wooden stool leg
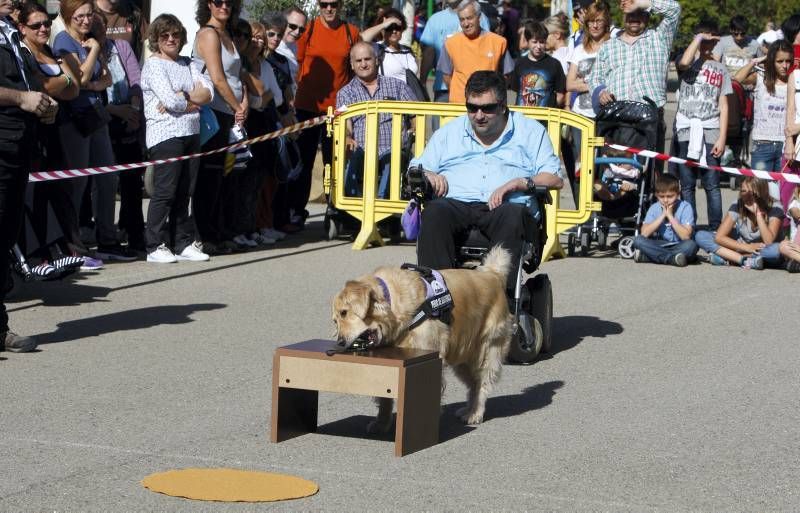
x=418, y=407
x=294, y=411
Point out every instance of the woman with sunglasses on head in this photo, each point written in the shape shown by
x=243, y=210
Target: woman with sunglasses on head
x=61, y=83
x=173, y=89
x=217, y=55
x=125, y=106
x=323, y=53
x=84, y=134
x=393, y=58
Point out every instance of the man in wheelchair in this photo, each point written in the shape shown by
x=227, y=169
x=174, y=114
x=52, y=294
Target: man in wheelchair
x=484, y=169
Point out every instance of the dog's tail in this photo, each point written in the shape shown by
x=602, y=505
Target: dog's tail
x=498, y=260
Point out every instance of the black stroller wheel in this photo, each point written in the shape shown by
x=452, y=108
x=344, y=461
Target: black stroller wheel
x=585, y=243
x=571, y=244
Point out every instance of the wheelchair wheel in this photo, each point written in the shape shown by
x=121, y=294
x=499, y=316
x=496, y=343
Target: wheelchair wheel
x=602, y=239
x=585, y=243
x=571, y=244
x=625, y=247
x=332, y=227
x=541, y=307
x=527, y=340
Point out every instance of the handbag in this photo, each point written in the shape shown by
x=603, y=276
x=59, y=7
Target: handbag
x=209, y=126
x=92, y=119
x=411, y=220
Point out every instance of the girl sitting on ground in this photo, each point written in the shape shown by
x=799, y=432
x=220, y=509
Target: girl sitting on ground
x=750, y=230
x=790, y=249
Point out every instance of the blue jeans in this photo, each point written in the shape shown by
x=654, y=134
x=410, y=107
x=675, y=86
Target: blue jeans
x=770, y=253
x=710, y=181
x=766, y=156
x=662, y=251
x=354, y=174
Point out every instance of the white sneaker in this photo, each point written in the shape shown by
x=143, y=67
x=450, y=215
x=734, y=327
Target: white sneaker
x=242, y=240
x=193, y=253
x=262, y=240
x=272, y=233
x=161, y=255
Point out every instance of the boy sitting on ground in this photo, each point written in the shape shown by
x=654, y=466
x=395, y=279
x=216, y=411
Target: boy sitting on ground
x=670, y=223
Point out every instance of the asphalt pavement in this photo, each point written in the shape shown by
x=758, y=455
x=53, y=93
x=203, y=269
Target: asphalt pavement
x=667, y=390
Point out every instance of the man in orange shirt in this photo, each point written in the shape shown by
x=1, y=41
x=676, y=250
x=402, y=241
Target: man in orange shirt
x=473, y=49
x=323, y=53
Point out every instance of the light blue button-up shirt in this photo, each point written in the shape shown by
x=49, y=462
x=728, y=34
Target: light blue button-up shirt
x=474, y=172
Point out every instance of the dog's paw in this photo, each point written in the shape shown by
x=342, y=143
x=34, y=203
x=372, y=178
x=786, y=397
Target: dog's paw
x=471, y=418
x=379, y=426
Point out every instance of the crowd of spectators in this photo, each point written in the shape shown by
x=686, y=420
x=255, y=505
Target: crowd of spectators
x=100, y=85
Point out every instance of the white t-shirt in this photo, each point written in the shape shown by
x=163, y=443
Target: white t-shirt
x=562, y=54
x=584, y=62
x=769, y=112
x=795, y=203
x=396, y=62
x=270, y=83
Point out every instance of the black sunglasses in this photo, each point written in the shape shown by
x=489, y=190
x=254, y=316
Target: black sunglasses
x=298, y=28
x=328, y=5
x=393, y=27
x=220, y=3
x=487, y=108
x=37, y=26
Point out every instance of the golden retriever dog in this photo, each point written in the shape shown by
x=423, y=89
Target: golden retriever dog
x=474, y=344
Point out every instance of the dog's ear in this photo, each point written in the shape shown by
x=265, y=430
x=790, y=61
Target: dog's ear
x=358, y=297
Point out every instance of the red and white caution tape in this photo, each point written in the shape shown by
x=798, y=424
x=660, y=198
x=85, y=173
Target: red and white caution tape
x=42, y=176
x=766, y=175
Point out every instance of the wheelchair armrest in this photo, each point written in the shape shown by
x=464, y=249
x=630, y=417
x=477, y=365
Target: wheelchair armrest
x=542, y=194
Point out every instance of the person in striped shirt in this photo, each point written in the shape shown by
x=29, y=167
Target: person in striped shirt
x=633, y=65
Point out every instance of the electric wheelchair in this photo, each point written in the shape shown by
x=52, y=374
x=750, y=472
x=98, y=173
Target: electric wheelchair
x=532, y=304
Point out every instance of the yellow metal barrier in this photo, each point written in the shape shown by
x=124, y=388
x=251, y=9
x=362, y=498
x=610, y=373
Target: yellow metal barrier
x=370, y=210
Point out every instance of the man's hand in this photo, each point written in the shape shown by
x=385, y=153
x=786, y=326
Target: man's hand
x=438, y=183
x=606, y=97
x=35, y=102
x=513, y=185
x=350, y=143
x=627, y=6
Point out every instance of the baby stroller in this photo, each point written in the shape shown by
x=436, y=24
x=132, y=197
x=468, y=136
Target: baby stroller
x=625, y=183
x=740, y=124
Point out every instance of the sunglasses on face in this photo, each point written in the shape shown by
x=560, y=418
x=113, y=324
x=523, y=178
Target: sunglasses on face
x=394, y=27
x=220, y=3
x=328, y=5
x=737, y=33
x=166, y=36
x=487, y=108
x=299, y=28
x=36, y=26
x=270, y=35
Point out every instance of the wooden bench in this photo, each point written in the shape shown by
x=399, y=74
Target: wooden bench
x=412, y=377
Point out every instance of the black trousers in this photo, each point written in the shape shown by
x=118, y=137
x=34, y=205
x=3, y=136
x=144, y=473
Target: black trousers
x=14, y=166
x=444, y=219
x=208, y=191
x=131, y=185
x=168, y=219
x=309, y=140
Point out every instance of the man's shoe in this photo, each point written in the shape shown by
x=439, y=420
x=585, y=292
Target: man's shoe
x=793, y=266
x=17, y=343
x=115, y=252
x=639, y=257
x=161, y=255
x=193, y=253
x=272, y=233
x=261, y=239
x=680, y=260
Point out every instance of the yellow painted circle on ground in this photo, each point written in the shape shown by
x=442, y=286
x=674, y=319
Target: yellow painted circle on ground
x=229, y=485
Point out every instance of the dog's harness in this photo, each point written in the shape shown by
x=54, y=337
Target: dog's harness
x=438, y=302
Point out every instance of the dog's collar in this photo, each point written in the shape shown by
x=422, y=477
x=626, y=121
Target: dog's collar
x=385, y=288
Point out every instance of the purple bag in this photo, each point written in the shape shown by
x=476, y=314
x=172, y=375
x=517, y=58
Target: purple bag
x=411, y=220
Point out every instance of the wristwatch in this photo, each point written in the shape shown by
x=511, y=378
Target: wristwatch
x=530, y=185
